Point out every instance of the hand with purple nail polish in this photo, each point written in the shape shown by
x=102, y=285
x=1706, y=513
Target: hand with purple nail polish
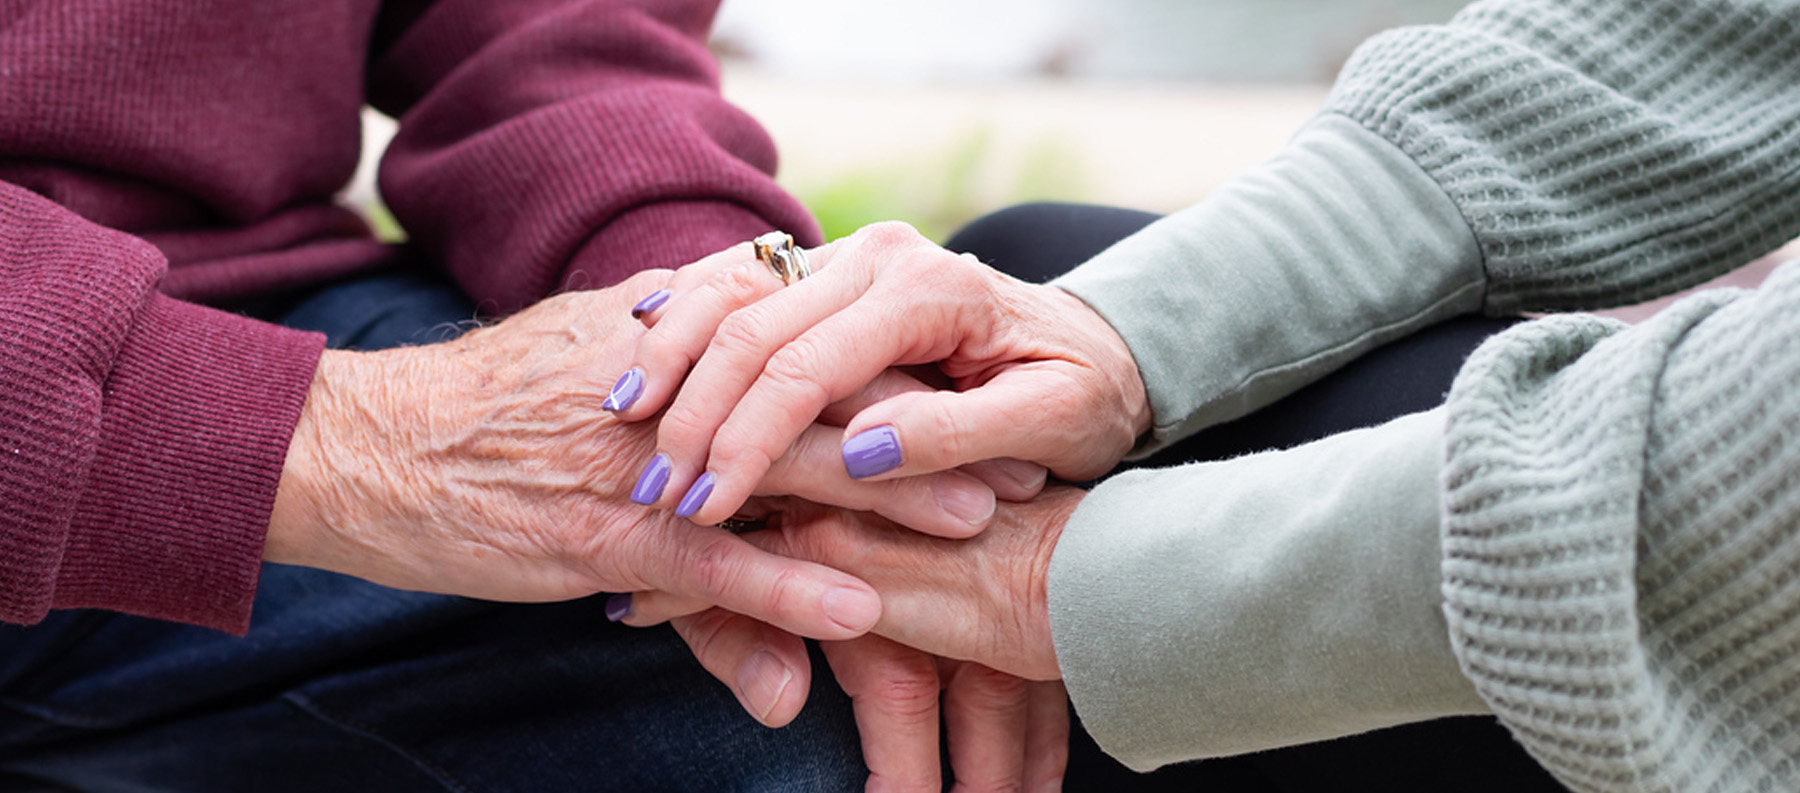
x=491, y=467
x=745, y=370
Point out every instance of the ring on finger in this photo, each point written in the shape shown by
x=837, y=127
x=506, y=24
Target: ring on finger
x=786, y=260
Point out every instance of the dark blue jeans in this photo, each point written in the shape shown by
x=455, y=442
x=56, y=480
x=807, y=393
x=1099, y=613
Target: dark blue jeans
x=342, y=685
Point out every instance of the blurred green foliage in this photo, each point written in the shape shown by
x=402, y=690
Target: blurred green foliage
x=936, y=193
x=939, y=193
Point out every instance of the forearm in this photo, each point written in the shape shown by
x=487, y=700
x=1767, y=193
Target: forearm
x=1529, y=155
x=1283, y=598
x=1336, y=246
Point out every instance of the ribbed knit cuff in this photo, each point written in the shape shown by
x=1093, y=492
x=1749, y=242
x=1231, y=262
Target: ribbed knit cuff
x=198, y=412
x=667, y=234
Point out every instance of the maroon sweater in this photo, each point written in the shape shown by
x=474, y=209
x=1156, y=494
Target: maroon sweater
x=160, y=155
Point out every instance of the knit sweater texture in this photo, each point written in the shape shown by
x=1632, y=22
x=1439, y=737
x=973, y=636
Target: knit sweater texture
x=159, y=156
x=1616, y=538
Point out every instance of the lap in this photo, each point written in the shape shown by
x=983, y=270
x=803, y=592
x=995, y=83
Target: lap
x=345, y=685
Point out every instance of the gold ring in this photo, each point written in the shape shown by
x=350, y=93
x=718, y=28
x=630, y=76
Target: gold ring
x=786, y=260
x=741, y=525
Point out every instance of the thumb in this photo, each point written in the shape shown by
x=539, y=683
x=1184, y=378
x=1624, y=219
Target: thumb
x=1025, y=413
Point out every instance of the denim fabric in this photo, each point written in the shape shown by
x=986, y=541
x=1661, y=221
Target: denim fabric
x=342, y=685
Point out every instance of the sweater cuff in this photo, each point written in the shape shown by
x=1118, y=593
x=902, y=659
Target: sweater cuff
x=1336, y=246
x=1270, y=600
x=667, y=234
x=198, y=412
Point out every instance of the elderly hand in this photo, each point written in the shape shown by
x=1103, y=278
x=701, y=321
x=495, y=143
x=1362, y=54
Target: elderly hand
x=486, y=467
x=1003, y=733
x=983, y=599
x=1038, y=376
x=982, y=602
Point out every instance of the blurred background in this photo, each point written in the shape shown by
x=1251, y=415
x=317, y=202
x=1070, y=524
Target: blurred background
x=938, y=111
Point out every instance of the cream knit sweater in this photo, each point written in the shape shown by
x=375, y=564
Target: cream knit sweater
x=1597, y=538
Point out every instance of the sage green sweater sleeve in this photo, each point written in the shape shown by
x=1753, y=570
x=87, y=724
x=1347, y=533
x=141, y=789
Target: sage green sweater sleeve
x=1280, y=598
x=1601, y=527
x=1529, y=155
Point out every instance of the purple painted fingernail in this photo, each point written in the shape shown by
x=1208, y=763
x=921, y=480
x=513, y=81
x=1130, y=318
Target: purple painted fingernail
x=696, y=495
x=651, y=303
x=618, y=607
x=872, y=452
x=625, y=393
x=651, y=482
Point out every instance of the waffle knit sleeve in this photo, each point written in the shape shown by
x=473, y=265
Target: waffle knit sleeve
x=1603, y=152
x=1528, y=155
x=1621, y=541
x=567, y=144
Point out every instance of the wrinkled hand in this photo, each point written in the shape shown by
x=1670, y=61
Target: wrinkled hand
x=486, y=467
x=1037, y=375
x=983, y=599
x=1003, y=733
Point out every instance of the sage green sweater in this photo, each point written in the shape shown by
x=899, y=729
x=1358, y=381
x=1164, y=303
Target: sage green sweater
x=1597, y=538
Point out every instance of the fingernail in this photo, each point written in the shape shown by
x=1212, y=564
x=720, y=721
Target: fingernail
x=761, y=681
x=651, y=303
x=696, y=496
x=1028, y=476
x=872, y=452
x=651, y=482
x=852, y=609
x=964, y=497
x=618, y=607
x=625, y=393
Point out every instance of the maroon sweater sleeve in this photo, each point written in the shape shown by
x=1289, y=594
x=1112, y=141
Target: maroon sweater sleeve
x=141, y=438
x=557, y=144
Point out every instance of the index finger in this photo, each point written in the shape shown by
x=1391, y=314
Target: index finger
x=912, y=313
x=894, y=692
x=718, y=567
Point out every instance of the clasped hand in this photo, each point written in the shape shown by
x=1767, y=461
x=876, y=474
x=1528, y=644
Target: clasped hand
x=750, y=372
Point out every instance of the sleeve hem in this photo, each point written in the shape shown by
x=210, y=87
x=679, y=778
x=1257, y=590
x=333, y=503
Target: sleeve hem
x=198, y=413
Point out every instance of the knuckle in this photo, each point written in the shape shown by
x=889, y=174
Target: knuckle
x=744, y=331
x=985, y=688
x=786, y=595
x=906, y=690
x=715, y=568
x=682, y=428
x=731, y=454
x=946, y=432
x=797, y=371
x=740, y=286
x=891, y=232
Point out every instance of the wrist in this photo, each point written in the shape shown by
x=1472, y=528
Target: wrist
x=317, y=498
x=1130, y=399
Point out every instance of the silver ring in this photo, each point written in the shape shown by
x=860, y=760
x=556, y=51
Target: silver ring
x=786, y=260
